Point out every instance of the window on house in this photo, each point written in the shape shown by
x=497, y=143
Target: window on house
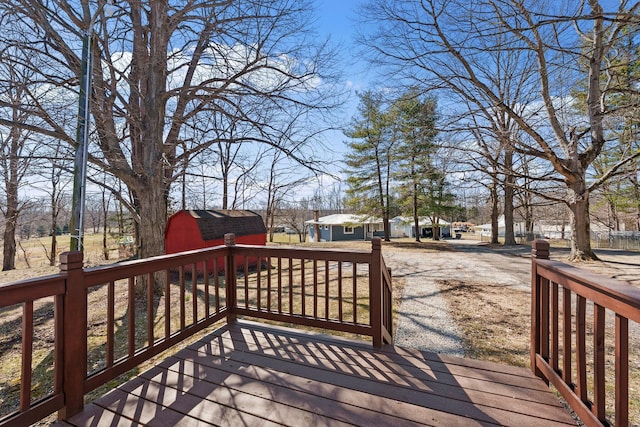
x=326, y=227
x=348, y=230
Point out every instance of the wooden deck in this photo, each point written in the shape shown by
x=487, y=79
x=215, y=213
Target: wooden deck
x=250, y=374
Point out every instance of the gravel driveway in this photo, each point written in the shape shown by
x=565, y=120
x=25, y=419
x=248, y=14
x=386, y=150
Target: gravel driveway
x=423, y=317
x=424, y=320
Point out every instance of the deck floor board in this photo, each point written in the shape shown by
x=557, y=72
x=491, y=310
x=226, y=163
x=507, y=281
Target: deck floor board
x=249, y=374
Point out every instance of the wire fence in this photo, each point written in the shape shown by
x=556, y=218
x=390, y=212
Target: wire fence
x=624, y=240
x=621, y=240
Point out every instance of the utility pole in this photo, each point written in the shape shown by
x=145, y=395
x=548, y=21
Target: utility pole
x=76, y=226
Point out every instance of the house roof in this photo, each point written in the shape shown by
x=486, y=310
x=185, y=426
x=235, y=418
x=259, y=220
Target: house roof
x=214, y=224
x=423, y=220
x=340, y=219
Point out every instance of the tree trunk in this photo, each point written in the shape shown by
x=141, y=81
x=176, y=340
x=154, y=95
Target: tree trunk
x=580, y=222
x=54, y=244
x=416, y=219
x=105, y=246
x=225, y=191
x=509, y=181
x=494, y=210
x=9, y=254
x=151, y=232
x=636, y=194
x=271, y=227
x=152, y=223
x=54, y=227
x=613, y=220
x=105, y=214
x=12, y=211
x=316, y=226
x=385, y=225
x=436, y=228
x=183, y=204
x=528, y=218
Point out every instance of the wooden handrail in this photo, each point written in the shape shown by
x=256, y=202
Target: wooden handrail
x=26, y=293
x=71, y=289
x=554, y=311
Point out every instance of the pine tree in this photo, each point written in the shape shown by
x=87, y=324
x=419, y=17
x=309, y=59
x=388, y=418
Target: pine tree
x=368, y=164
x=414, y=123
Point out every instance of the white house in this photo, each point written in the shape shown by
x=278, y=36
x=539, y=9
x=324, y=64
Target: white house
x=546, y=229
x=403, y=226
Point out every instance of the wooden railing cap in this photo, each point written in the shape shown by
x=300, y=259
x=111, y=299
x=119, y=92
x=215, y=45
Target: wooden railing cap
x=71, y=260
x=540, y=249
x=376, y=243
x=229, y=239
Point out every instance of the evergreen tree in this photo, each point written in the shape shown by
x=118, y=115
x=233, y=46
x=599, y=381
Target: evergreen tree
x=439, y=201
x=414, y=120
x=368, y=164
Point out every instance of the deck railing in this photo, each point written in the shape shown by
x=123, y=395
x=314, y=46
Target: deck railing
x=108, y=320
x=560, y=351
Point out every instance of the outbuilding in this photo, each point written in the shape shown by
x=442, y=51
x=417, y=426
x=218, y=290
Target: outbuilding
x=197, y=229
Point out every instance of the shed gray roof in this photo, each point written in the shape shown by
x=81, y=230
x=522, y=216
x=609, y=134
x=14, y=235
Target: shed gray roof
x=214, y=224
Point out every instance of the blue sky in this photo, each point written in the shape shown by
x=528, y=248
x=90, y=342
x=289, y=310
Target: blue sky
x=336, y=18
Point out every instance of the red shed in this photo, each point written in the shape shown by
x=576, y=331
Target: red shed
x=197, y=229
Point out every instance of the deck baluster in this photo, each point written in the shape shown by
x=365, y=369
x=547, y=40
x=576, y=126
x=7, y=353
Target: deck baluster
x=230, y=278
x=622, y=370
x=27, y=355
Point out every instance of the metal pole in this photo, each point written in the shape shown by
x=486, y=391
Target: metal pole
x=76, y=227
x=82, y=145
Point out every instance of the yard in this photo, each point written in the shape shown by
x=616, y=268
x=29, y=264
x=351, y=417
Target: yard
x=494, y=317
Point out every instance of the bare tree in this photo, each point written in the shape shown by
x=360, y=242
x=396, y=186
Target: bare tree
x=442, y=44
x=281, y=184
x=161, y=65
x=93, y=209
x=293, y=214
x=15, y=159
x=57, y=202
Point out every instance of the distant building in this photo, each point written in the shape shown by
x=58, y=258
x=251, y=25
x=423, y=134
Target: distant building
x=343, y=227
x=403, y=226
x=541, y=229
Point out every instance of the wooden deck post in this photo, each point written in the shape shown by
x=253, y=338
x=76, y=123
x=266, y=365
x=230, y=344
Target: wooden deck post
x=539, y=250
x=375, y=291
x=230, y=277
x=74, y=337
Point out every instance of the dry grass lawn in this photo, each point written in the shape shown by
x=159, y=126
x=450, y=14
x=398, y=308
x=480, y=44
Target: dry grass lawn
x=494, y=319
x=495, y=322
